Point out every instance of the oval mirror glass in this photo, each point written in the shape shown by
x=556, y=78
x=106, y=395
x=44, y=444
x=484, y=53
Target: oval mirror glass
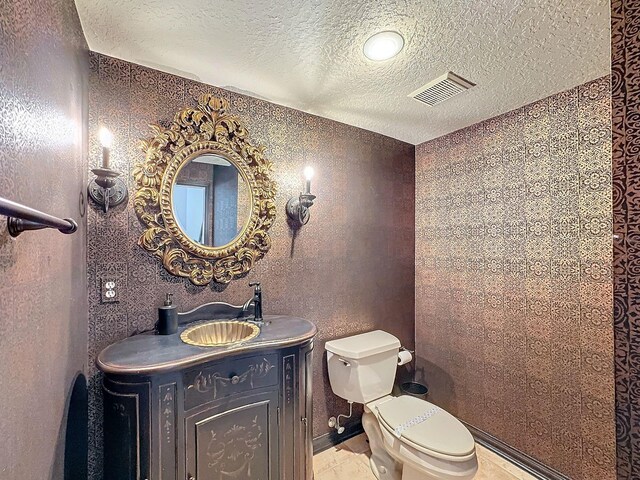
x=211, y=201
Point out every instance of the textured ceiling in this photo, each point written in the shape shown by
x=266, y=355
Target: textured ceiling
x=307, y=54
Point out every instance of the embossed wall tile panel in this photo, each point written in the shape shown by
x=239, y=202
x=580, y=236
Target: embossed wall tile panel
x=349, y=270
x=43, y=300
x=514, y=278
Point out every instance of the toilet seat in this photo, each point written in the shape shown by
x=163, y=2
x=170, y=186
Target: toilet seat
x=424, y=427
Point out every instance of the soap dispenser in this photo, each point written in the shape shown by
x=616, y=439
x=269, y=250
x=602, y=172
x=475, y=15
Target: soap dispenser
x=167, y=317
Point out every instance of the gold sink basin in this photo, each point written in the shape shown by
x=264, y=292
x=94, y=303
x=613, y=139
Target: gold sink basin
x=221, y=332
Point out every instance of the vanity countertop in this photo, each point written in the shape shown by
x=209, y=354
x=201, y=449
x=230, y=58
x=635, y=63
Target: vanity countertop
x=149, y=353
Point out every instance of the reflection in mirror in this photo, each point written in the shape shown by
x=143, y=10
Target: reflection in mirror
x=190, y=204
x=211, y=200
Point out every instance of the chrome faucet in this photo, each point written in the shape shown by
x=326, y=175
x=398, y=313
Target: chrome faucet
x=256, y=301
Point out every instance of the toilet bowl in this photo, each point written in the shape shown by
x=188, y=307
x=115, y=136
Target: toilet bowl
x=410, y=438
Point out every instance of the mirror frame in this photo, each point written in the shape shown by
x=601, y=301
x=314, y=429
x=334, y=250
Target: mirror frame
x=206, y=129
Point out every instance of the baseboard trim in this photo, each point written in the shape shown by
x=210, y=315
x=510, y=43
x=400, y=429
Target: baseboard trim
x=328, y=440
x=518, y=458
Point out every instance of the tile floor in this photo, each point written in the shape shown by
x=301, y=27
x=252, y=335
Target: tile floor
x=350, y=461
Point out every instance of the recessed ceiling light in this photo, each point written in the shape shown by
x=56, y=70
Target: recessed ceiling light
x=383, y=45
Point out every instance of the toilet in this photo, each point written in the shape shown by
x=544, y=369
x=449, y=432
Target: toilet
x=410, y=438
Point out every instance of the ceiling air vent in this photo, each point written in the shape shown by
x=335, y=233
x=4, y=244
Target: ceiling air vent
x=441, y=89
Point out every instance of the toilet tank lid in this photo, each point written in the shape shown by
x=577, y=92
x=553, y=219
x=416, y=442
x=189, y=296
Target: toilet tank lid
x=363, y=345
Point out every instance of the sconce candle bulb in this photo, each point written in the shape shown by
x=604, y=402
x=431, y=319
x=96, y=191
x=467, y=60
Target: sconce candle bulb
x=308, y=174
x=298, y=208
x=106, y=139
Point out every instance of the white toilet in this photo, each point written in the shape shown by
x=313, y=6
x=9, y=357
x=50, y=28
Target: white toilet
x=410, y=439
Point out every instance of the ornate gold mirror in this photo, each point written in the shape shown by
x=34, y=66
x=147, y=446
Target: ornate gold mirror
x=205, y=195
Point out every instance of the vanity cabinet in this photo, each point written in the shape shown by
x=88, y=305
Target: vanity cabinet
x=244, y=416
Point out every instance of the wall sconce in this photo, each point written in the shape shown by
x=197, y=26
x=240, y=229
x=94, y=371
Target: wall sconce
x=107, y=189
x=298, y=208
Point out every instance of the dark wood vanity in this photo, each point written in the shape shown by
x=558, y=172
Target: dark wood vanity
x=177, y=411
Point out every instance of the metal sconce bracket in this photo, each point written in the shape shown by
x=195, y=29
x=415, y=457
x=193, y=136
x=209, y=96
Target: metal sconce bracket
x=106, y=189
x=298, y=208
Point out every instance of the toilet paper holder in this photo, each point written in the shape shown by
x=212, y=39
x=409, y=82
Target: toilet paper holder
x=405, y=356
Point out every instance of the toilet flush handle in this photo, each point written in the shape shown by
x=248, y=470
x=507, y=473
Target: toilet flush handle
x=346, y=364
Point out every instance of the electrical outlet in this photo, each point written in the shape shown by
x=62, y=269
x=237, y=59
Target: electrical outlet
x=109, y=292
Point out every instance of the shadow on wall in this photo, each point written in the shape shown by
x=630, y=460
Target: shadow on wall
x=439, y=383
x=73, y=448
x=406, y=373
x=294, y=229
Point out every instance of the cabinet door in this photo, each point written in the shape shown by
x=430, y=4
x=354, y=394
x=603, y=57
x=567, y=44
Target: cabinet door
x=235, y=440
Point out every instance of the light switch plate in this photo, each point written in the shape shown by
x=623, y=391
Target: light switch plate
x=109, y=291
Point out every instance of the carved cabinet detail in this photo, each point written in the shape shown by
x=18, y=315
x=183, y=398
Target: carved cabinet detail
x=227, y=378
x=244, y=417
x=235, y=440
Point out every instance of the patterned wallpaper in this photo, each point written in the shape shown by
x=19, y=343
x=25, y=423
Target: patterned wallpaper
x=43, y=105
x=513, y=278
x=349, y=270
x=625, y=73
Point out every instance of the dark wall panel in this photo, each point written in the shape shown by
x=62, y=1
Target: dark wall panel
x=43, y=299
x=625, y=74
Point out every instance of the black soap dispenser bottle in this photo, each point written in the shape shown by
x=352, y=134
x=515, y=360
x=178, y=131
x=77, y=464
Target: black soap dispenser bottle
x=167, y=317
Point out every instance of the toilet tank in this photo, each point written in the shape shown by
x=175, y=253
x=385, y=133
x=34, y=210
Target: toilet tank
x=362, y=368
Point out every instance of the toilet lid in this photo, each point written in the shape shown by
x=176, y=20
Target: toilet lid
x=426, y=425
